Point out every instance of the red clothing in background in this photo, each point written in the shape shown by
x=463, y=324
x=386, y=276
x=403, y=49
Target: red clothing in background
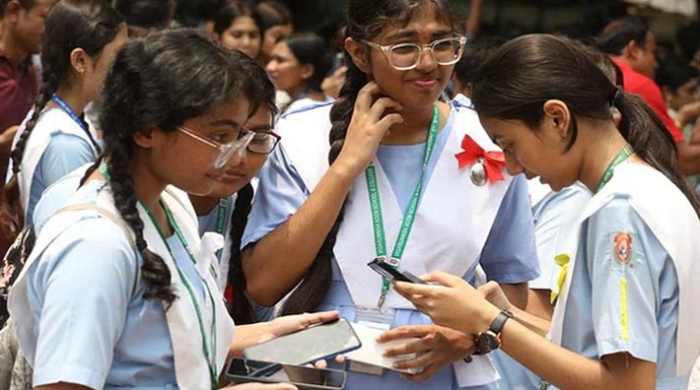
x=650, y=92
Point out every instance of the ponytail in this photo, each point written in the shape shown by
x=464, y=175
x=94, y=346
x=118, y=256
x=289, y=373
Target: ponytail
x=651, y=141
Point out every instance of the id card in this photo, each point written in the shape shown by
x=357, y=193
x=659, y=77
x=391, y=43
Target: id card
x=372, y=317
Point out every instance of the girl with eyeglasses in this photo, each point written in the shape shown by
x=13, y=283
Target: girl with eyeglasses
x=225, y=210
x=625, y=314
x=411, y=180
x=120, y=291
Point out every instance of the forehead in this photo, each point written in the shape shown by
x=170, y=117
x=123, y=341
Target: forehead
x=426, y=20
x=244, y=23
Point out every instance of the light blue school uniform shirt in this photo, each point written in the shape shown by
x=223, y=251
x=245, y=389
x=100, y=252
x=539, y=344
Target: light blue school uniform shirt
x=92, y=327
x=509, y=254
x=555, y=217
x=56, y=196
x=592, y=321
x=63, y=154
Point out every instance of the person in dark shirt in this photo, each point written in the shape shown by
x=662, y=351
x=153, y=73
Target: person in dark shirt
x=21, y=27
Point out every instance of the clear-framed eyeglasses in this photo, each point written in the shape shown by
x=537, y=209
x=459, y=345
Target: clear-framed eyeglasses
x=259, y=142
x=407, y=56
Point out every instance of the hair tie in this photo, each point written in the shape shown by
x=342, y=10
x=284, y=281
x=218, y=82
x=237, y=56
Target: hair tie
x=618, y=93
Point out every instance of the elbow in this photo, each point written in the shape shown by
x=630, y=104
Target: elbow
x=259, y=287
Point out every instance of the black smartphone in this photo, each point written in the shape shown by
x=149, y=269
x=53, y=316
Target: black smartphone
x=323, y=341
x=386, y=270
x=304, y=378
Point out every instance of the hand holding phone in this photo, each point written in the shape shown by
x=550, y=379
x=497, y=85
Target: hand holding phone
x=388, y=271
x=317, y=342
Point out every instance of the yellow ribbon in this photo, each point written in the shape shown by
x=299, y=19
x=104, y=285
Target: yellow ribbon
x=562, y=260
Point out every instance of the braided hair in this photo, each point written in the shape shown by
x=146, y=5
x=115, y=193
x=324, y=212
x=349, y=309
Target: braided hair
x=365, y=19
x=161, y=80
x=71, y=24
x=261, y=93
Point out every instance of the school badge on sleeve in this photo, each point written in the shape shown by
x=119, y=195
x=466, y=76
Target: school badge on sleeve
x=623, y=248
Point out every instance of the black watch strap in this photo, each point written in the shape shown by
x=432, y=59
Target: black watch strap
x=500, y=321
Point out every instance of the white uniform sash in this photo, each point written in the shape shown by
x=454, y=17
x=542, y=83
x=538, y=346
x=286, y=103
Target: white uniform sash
x=51, y=121
x=672, y=220
x=453, y=221
x=452, y=224
x=305, y=141
x=191, y=367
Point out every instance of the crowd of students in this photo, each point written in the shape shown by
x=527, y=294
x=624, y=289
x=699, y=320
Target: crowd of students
x=176, y=195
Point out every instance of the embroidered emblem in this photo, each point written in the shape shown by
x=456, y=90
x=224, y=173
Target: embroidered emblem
x=623, y=248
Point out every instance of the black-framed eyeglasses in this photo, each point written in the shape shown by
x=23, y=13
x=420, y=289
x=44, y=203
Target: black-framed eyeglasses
x=263, y=142
x=407, y=56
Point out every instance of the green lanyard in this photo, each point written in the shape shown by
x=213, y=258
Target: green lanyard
x=209, y=350
x=410, y=215
x=221, y=214
x=622, y=155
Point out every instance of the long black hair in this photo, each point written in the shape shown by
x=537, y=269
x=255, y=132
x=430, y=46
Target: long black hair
x=311, y=49
x=365, y=20
x=152, y=83
x=527, y=71
x=71, y=24
x=261, y=93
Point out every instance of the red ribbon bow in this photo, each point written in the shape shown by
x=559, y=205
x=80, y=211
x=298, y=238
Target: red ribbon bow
x=493, y=161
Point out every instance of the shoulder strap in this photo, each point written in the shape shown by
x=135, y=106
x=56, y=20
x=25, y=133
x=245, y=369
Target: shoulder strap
x=114, y=218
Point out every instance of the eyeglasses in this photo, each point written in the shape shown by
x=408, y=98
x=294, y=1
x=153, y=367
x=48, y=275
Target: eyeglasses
x=259, y=142
x=407, y=56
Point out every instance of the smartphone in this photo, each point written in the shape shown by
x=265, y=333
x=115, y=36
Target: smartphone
x=304, y=378
x=323, y=341
x=386, y=270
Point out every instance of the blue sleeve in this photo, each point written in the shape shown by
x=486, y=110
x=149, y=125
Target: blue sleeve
x=80, y=289
x=64, y=154
x=554, y=217
x=509, y=255
x=281, y=192
x=624, y=264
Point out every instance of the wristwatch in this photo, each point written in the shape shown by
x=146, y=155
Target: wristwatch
x=486, y=342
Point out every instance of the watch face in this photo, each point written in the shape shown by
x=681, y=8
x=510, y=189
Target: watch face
x=487, y=342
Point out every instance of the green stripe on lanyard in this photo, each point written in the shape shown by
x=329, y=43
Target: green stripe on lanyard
x=621, y=156
x=209, y=350
x=221, y=214
x=410, y=215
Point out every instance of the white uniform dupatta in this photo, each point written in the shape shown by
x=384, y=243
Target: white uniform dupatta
x=452, y=224
x=671, y=218
x=191, y=367
x=37, y=144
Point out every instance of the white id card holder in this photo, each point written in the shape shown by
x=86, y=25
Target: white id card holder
x=374, y=318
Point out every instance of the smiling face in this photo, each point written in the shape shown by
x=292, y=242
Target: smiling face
x=537, y=152
x=416, y=88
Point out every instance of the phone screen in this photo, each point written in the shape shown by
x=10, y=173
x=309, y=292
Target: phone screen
x=308, y=345
x=284, y=373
